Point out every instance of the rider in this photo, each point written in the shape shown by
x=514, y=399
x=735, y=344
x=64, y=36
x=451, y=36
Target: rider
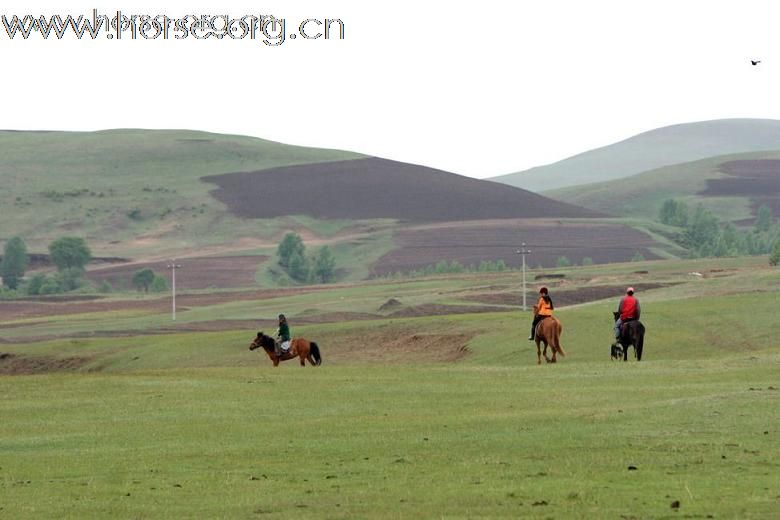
x=544, y=308
x=282, y=336
x=628, y=309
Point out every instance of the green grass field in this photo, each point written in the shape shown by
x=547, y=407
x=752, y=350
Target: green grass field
x=193, y=425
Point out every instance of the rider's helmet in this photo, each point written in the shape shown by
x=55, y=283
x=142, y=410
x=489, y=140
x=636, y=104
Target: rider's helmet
x=543, y=290
x=281, y=317
x=630, y=291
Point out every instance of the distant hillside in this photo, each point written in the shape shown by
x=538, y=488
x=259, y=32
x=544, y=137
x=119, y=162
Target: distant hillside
x=378, y=189
x=652, y=150
x=732, y=186
x=141, y=195
x=138, y=189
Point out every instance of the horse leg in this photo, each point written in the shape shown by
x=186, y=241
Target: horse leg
x=545, y=351
x=538, y=353
x=639, y=345
x=554, y=349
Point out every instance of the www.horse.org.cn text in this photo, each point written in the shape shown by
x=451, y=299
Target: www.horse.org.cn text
x=270, y=30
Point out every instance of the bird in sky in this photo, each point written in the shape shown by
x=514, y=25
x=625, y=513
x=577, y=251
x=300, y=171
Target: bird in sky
x=755, y=62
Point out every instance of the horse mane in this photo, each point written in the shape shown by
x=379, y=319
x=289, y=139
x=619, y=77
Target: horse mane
x=267, y=342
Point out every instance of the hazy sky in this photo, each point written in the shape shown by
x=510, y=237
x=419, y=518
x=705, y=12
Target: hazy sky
x=477, y=88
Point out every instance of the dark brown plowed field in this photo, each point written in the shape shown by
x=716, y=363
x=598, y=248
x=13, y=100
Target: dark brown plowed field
x=195, y=273
x=378, y=188
x=759, y=180
x=471, y=242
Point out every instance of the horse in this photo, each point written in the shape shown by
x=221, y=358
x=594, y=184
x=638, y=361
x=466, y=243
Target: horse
x=299, y=347
x=548, y=331
x=632, y=333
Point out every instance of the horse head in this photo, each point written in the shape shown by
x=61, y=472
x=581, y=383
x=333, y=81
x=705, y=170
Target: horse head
x=261, y=341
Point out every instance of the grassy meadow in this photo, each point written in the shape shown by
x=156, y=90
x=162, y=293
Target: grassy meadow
x=409, y=416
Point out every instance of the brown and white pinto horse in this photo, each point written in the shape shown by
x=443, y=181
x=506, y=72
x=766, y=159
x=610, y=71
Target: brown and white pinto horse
x=299, y=347
x=548, y=331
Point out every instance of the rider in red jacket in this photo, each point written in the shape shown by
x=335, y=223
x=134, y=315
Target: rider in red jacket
x=629, y=309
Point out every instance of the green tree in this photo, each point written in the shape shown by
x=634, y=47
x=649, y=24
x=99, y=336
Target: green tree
x=291, y=245
x=159, y=284
x=69, y=279
x=774, y=258
x=14, y=262
x=325, y=265
x=563, y=262
x=69, y=252
x=299, y=267
x=587, y=261
x=142, y=279
x=764, y=220
x=673, y=213
x=666, y=213
x=729, y=241
x=35, y=284
x=702, y=233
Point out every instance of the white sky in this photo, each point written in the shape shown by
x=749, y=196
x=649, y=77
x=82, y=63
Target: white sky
x=477, y=88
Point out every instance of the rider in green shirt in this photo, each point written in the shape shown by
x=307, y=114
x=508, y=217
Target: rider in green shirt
x=282, y=336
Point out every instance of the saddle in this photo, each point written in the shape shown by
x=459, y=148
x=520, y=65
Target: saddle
x=280, y=346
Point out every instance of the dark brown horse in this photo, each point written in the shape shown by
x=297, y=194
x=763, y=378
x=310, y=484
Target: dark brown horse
x=299, y=347
x=548, y=331
x=631, y=333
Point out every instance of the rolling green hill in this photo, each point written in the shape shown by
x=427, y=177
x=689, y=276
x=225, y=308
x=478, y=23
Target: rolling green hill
x=130, y=190
x=150, y=195
x=651, y=150
x=642, y=195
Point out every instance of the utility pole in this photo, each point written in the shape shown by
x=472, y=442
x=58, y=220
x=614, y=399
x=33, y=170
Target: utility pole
x=524, y=252
x=173, y=266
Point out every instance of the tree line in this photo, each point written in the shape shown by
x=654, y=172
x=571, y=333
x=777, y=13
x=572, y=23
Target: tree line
x=705, y=236
x=291, y=256
x=70, y=255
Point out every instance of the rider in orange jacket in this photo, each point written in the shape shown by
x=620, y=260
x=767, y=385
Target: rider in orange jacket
x=544, y=309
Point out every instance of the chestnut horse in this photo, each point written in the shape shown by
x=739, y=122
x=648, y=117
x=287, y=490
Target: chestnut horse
x=548, y=331
x=299, y=347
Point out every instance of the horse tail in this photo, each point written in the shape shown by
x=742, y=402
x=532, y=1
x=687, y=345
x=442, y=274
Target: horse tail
x=640, y=340
x=558, y=330
x=315, y=353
